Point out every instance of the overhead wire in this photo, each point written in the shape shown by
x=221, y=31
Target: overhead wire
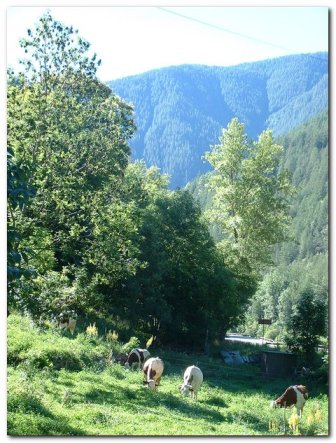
x=239, y=34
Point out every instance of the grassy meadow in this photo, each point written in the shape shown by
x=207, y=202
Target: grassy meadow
x=63, y=385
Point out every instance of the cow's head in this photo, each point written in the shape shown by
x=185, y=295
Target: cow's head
x=150, y=384
x=275, y=404
x=185, y=389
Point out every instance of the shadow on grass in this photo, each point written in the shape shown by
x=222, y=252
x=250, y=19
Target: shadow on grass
x=216, y=401
x=27, y=403
x=144, y=399
x=27, y=416
x=257, y=424
x=29, y=425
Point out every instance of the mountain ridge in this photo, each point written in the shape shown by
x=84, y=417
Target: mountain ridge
x=180, y=110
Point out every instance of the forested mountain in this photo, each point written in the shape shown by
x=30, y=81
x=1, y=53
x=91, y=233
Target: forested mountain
x=302, y=262
x=179, y=111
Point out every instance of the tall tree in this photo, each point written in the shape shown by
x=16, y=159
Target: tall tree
x=71, y=132
x=250, y=200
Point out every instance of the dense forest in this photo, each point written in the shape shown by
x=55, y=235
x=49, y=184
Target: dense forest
x=93, y=232
x=301, y=263
x=180, y=110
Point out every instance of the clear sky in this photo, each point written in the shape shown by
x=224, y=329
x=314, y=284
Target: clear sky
x=131, y=40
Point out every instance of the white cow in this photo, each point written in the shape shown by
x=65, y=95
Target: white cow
x=193, y=378
x=152, y=370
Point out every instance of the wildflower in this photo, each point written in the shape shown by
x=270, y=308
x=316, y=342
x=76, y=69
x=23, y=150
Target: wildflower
x=318, y=415
x=311, y=418
x=149, y=342
x=92, y=330
x=112, y=336
x=293, y=422
x=273, y=426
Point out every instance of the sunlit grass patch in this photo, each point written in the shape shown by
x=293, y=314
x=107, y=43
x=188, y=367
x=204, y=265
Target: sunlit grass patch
x=104, y=398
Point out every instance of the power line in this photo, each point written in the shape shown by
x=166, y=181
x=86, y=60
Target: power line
x=239, y=34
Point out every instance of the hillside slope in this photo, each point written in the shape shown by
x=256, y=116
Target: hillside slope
x=68, y=386
x=180, y=110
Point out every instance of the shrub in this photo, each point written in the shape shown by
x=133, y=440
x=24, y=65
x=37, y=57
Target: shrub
x=132, y=343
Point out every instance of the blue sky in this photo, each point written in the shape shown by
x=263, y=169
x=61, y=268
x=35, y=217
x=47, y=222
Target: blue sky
x=131, y=40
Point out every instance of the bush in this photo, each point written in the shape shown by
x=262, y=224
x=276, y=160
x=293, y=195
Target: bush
x=38, y=349
x=21, y=336
x=133, y=342
x=306, y=325
x=54, y=358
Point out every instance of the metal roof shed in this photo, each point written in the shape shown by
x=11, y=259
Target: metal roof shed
x=278, y=364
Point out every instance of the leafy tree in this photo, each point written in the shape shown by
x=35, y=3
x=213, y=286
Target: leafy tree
x=250, y=200
x=72, y=133
x=18, y=196
x=182, y=293
x=306, y=325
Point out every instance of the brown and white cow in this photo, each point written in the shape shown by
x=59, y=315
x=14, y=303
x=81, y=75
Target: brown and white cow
x=67, y=321
x=137, y=356
x=293, y=396
x=152, y=370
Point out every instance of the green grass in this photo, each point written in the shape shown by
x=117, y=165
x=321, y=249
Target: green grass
x=101, y=398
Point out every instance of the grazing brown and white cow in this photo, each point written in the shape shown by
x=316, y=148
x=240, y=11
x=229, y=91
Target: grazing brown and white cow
x=137, y=356
x=193, y=378
x=152, y=370
x=293, y=396
x=67, y=322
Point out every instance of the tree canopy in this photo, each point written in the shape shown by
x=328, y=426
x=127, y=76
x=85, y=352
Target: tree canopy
x=251, y=200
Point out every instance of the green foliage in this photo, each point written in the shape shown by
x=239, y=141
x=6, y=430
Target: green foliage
x=250, y=201
x=302, y=262
x=181, y=269
x=133, y=342
x=306, y=325
x=71, y=133
x=18, y=195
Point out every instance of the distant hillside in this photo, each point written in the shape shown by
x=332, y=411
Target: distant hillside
x=180, y=110
x=306, y=156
